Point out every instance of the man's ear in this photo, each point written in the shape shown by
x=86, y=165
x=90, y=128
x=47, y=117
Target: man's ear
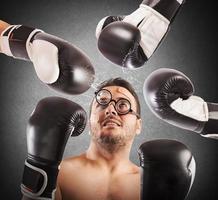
x=138, y=126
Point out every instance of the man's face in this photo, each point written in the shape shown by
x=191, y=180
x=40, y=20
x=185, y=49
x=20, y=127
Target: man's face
x=108, y=126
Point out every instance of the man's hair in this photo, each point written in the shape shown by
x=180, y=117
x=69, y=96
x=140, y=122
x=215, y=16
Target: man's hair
x=122, y=83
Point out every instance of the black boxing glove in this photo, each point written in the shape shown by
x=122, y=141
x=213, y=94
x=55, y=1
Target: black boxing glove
x=129, y=41
x=167, y=170
x=50, y=125
x=169, y=95
x=58, y=63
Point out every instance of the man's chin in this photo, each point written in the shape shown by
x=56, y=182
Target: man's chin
x=110, y=132
x=111, y=136
x=112, y=141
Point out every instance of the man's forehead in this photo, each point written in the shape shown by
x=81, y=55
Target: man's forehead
x=120, y=91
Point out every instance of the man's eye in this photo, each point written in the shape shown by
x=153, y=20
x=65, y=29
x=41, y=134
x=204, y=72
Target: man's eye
x=103, y=100
x=122, y=105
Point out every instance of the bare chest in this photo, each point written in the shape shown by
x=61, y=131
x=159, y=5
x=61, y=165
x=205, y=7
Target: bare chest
x=101, y=186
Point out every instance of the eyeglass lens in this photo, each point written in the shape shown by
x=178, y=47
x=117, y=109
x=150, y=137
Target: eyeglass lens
x=104, y=97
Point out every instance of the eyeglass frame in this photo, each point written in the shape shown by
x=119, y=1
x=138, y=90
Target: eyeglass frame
x=130, y=111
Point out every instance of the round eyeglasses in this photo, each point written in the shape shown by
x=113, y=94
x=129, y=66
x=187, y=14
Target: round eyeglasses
x=122, y=106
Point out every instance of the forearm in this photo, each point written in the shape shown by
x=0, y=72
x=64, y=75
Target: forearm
x=3, y=25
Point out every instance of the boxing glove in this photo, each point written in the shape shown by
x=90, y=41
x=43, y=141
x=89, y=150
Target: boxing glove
x=57, y=63
x=167, y=170
x=169, y=95
x=129, y=41
x=49, y=127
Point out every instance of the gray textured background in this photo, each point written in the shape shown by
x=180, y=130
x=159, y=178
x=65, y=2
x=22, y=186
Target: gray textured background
x=189, y=47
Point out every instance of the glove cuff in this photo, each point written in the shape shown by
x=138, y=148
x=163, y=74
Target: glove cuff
x=5, y=48
x=210, y=129
x=39, y=180
x=15, y=41
x=152, y=25
x=167, y=8
x=193, y=107
x=142, y=13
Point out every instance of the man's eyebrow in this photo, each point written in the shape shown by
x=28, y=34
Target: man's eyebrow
x=125, y=96
x=123, y=92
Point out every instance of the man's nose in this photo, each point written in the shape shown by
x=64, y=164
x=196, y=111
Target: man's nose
x=110, y=110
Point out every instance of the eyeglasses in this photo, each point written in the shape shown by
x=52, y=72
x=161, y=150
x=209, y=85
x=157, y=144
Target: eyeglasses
x=122, y=106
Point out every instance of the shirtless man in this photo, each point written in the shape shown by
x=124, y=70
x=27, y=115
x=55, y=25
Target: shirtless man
x=104, y=171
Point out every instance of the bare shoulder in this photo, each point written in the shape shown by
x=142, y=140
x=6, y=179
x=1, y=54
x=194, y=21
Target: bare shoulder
x=70, y=170
x=73, y=162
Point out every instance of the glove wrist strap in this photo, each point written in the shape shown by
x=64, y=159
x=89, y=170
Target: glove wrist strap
x=39, y=180
x=16, y=40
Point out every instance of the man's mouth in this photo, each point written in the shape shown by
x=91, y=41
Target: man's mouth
x=111, y=123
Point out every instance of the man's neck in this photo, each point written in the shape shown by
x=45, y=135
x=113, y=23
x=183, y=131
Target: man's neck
x=113, y=159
